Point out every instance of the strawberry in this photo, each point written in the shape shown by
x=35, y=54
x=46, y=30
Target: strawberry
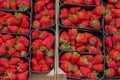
x=12, y=51
x=74, y=10
x=36, y=44
x=110, y=29
x=12, y=76
x=22, y=67
x=117, y=47
x=13, y=5
x=82, y=61
x=74, y=18
x=98, y=67
x=45, y=68
x=82, y=14
x=64, y=37
x=81, y=49
x=11, y=42
x=49, y=61
x=12, y=21
x=81, y=39
x=98, y=59
x=99, y=10
x=66, y=67
x=24, y=41
x=108, y=18
x=85, y=71
x=44, y=34
x=2, y=14
x=23, y=30
x=25, y=23
x=114, y=55
x=48, y=42
x=36, y=24
x=112, y=1
x=45, y=22
x=14, y=61
x=35, y=34
x=7, y=37
x=97, y=2
x=34, y=61
x=77, y=74
x=79, y=1
x=22, y=76
x=19, y=47
x=74, y=57
x=51, y=13
x=94, y=50
x=4, y=62
x=111, y=63
x=95, y=24
x=64, y=13
x=73, y=33
x=117, y=5
x=3, y=49
x=108, y=41
x=13, y=29
x=66, y=56
x=116, y=12
x=38, y=55
x=89, y=57
x=50, y=5
x=88, y=2
x=110, y=72
x=67, y=23
x=2, y=69
x=117, y=22
x=36, y=68
x=118, y=70
x=20, y=16
x=93, y=75
x=93, y=40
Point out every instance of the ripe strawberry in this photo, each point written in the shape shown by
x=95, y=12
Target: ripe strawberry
x=44, y=34
x=49, y=61
x=81, y=49
x=117, y=22
x=98, y=59
x=4, y=62
x=74, y=18
x=118, y=70
x=25, y=23
x=97, y=2
x=64, y=13
x=95, y=24
x=82, y=14
x=82, y=61
x=108, y=18
x=23, y=30
x=117, y=5
x=36, y=44
x=13, y=29
x=19, y=47
x=12, y=76
x=116, y=12
x=79, y=1
x=64, y=37
x=117, y=47
x=2, y=69
x=89, y=57
x=111, y=63
x=93, y=75
x=22, y=67
x=13, y=5
x=66, y=67
x=74, y=57
x=110, y=72
x=112, y=1
x=20, y=16
x=12, y=51
x=98, y=67
x=36, y=68
x=3, y=49
x=45, y=68
x=22, y=76
x=67, y=23
x=13, y=22
x=39, y=54
x=93, y=40
x=94, y=50
x=108, y=41
x=115, y=55
x=14, y=61
x=34, y=61
x=73, y=33
x=24, y=41
x=7, y=37
x=110, y=29
x=85, y=71
x=45, y=22
x=74, y=10
x=11, y=42
x=66, y=56
x=88, y=2
x=35, y=34
x=36, y=24
x=81, y=39
x=99, y=10
x=77, y=74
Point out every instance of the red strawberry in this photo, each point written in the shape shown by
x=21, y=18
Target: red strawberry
x=108, y=41
x=12, y=76
x=116, y=12
x=112, y=1
x=88, y=2
x=74, y=10
x=36, y=24
x=98, y=59
x=74, y=18
x=49, y=61
x=45, y=22
x=23, y=53
x=7, y=37
x=13, y=29
x=74, y=57
x=11, y=42
x=82, y=14
x=82, y=61
x=66, y=67
x=12, y=51
x=93, y=40
x=117, y=47
x=39, y=54
x=45, y=68
x=97, y=2
x=117, y=5
x=81, y=38
x=44, y=34
x=94, y=50
x=93, y=75
x=50, y=5
x=20, y=47
x=25, y=23
x=81, y=49
x=2, y=14
x=51, y=13
x=118, y=70
x=22, y=67
x=4, y=62
x=85, y=71
x=67, y=23
x=24, y=40
x=2, y=69
x=3, y=49
x=77, y=74
x=66, y=56
x=98, y=67
x=23, y=30
x=64, y=37
x=73, y=33
x=20, y=16
x=117, y=22
x=111, y=63
x=89, y=57
x=14, y=61
x=79, y=1
x=115, y=55
x=95, y=24
x=35, y=34
x=7, y=71
x=48, y=42
x=64, y=13
x=34, y=61
x=22, y=76
x=13, y=5
x=110, y=29
x=36, y=68
x=110, y=72
x=37, y=43
x=108, y=18
x=99, y=10
x=13, y=22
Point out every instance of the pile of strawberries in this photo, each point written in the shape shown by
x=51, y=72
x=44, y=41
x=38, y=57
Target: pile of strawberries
x=81, y=2
x=14, y=45
x=14, y=23
x=13, y=69
x=81, y=66
x=113, y=54
x=81, y=18
x=44, y=13
x=42, y=51
x=21, y=5
x=80, y=41
x=112, y=16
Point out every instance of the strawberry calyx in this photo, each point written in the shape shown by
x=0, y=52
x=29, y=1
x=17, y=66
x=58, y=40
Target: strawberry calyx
x=117, y=33
x=75, y=69
x=22, y=7
x=49, y=53
x=63, y=22
x=91, y=42
x=107, y=71
x=115, y=1
x=70, y=67
x=9, y=75
x=82, y=26
x=108, y=15
x=65, y=46
x=71, y=17
x=85, y=60
x=118, y=57
x=94, y=22
x=22, y=53
x=42, y=48
x=76, y=53
x=102, y=9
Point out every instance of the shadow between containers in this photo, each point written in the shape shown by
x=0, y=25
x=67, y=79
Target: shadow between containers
x=102, y=74
x=97, y=33
x=51, y=31
x=23, y=58
x=13, y=34
x=32, y=17
x=116, y=77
